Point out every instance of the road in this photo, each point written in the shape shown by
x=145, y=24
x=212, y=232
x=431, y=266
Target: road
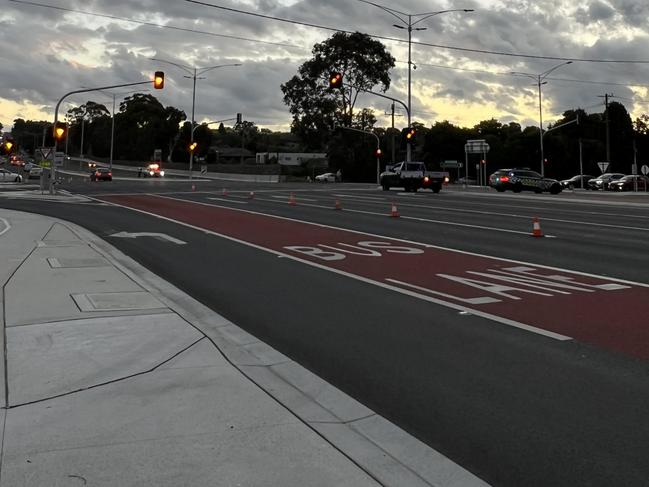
x=522, y=359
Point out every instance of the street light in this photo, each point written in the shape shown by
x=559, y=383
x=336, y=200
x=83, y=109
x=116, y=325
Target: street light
x=539, y=81
x=112, y=127
x=193, y=74
x=409, y=21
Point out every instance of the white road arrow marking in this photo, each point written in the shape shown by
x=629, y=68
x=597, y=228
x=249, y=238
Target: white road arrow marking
x=160, y=236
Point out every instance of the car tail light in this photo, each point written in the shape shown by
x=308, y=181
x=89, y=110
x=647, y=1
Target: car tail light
x=503, y=179
x=446, y=179
x=110, y=173
x=426, y=179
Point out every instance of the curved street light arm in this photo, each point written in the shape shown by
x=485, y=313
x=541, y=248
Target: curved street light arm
x=546, y=73
x=427, y=15
x=391, y=11
x=181, y=66
x=210, y=68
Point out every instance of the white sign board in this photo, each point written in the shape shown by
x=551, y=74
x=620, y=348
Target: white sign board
x=476, y=146
x=603, y=166
x=645, y=169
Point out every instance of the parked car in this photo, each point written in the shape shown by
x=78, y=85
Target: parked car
x=578, y=181
x=8, y=176
x=628, y=183
x=327, y=177
x=35, y=172
x=101, y=174
x=523, y=180
x=602, y=182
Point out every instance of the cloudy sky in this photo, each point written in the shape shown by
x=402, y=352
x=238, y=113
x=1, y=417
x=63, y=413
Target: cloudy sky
x=463, y=75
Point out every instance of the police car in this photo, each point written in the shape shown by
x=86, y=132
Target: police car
x=523, y=180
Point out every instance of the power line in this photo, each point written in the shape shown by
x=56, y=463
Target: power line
x=153, y=24
x=439, y=46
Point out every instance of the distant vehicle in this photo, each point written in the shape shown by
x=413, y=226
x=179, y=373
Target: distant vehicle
x=92, y=166
x=17, y=161
x=578, y=181
x=154, y=170
x=101, y=174
x=523, y=180
x=327, y=177
x=412, y=176
x=602, y=182
x=8, y=176
x=468, y=181
x=628, y=183
x=35, y=172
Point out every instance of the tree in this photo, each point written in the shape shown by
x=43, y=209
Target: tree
x=363, y=62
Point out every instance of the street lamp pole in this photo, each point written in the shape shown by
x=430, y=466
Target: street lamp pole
x=409, y=21
x=540, y=80
x=193, y=74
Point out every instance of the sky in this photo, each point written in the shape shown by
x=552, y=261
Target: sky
x=464, y=60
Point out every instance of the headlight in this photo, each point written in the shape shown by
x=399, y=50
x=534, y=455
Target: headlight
x=151, y=173
x=162, y=173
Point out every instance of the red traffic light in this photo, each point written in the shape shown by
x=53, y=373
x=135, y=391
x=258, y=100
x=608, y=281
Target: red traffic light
x=410, y=134
x=159, y=80
x=335, y=80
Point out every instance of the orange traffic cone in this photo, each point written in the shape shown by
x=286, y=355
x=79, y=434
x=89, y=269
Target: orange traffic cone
x=225, y=192
x=291, y=200
x=338, y=205
x=251, y=195
x=394, y=213
x=536, y=228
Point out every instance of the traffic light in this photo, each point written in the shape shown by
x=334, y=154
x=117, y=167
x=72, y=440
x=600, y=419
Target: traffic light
x=239, y=117
x=411, y=135
x=159, y=80
x=59, y=131
x=335, y=80
x=192, y=146
x=7, y=146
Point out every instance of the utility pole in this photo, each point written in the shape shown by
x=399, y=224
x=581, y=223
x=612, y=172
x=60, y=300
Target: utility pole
x=392, y=138
x=608, y=129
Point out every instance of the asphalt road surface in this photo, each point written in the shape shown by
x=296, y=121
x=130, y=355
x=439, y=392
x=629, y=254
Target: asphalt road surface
x=522, y=359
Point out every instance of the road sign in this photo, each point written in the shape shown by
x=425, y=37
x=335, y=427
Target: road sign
x=645, y=169
x=603, y=166
x=45, y=163
x=476, y=146
x=451, y=164
x=44, y=152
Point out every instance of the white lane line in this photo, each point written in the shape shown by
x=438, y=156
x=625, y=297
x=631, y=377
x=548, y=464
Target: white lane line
x=229, y=201
x=396, y=239
x=464, y=309
x=7, y=226
x=298, y=198
x=427, y=220
x=353, y=196
x=526, y=217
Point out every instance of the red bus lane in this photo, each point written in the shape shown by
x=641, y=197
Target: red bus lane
x=561, y=304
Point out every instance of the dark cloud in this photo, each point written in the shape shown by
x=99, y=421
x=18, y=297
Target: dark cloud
x=48, y=52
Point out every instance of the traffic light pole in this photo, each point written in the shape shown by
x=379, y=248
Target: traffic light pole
x=56, y=118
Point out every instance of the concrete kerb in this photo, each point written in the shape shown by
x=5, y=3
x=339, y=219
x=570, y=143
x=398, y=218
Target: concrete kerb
x=388, y=454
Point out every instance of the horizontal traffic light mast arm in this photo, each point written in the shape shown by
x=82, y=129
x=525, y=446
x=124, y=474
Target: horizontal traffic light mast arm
x=85, y=90
x=211, y=123
x=378, y=143
x=576, y=120
x=388, y=98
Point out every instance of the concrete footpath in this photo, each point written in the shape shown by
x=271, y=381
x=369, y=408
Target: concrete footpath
x=113, y=377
